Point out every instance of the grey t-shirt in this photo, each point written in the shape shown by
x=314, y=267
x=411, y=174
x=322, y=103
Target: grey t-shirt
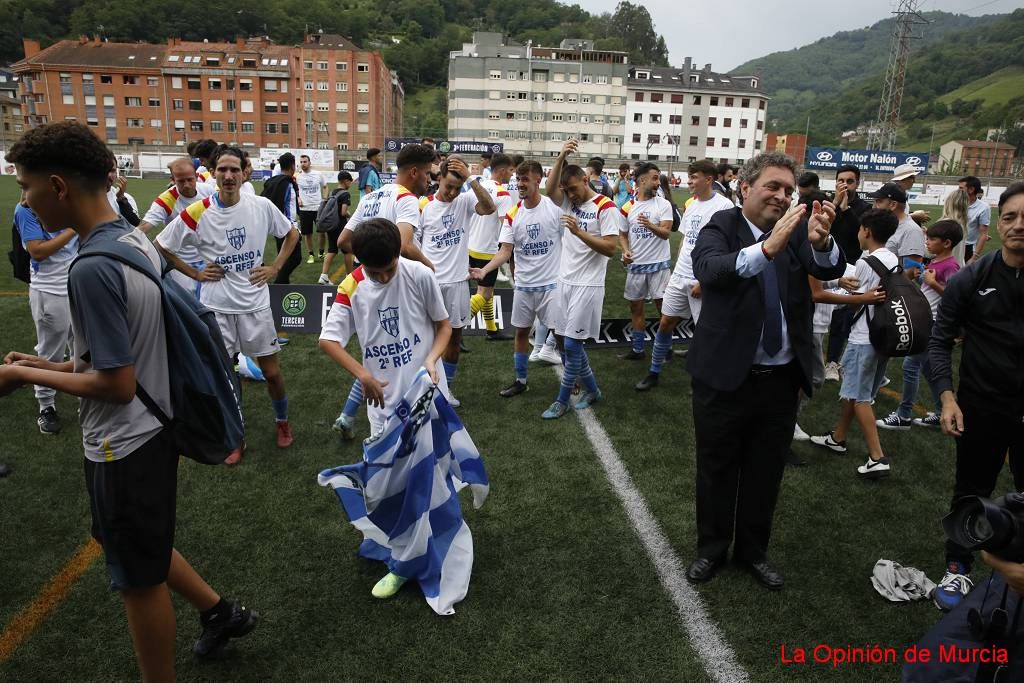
x=117, y=319
x=908, y=239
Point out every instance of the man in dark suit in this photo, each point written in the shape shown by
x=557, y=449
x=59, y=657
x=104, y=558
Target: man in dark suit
x=751, y=356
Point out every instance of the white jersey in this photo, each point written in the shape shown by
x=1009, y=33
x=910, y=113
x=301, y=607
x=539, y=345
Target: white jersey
x=483, y=230
x=311, y=186
x=234, y=238
x=581, y=265
x=443, y=228
x=696, y=216
x=650, y=252
x=391, y=201
x=394, y=323
x=168, y=205
x=247, y=188
x=536, y=238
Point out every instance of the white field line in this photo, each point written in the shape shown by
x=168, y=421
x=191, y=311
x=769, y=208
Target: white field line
x=718, y=658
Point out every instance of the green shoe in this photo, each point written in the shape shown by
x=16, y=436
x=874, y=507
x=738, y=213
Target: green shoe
x=388, y=586
x=588, y=399
x=555, y=411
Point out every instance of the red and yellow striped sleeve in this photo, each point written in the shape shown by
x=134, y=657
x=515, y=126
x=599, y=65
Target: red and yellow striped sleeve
x=348, y=287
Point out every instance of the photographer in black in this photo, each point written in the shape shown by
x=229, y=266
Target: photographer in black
x=982, y=639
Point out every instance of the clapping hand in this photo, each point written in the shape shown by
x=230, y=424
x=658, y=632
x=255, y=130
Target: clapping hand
x=820, y=223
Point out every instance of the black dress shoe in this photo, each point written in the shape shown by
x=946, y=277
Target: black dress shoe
x=703, y=569
x=647, y=383
x=497, y=335
x=632, y=355
x=765, y=574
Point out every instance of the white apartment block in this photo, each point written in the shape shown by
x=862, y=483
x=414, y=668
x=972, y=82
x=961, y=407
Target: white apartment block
x=689, y=114
x=533, y=98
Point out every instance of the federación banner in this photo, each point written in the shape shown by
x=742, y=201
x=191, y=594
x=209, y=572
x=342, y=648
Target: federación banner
x=392, y=145
x=304, y=308
x=867, y=160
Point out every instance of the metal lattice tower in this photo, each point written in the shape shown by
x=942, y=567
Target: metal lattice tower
x=907, y=16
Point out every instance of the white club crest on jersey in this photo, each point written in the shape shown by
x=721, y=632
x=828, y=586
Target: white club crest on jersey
x=389, y=320
x=236, y=237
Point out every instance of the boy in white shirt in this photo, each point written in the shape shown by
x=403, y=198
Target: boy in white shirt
x=646, y=251
x=863, y=365
x=593, y=223
x=394, y=307
x=445, y=217
x=230, y=230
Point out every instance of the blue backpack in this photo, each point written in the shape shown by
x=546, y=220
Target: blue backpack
x=207, y=423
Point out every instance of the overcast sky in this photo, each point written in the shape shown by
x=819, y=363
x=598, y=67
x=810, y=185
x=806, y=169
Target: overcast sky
x=728, y=33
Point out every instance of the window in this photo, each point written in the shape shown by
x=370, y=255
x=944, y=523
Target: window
x=308, y=86
x=341, y=107
x=727, y=123
x=714, y=101
x=571, y=118
x=87, y=78
x=693, y=140
x=69, y=99
x=493, y=135
x=602, y=80
x=616, y=101
x=362, y=128
x=614, y=120
x=540, y=76
x=725, y=142
x=510, y=115
x=493, y=116
x=653, y=139
x=601, y=99
x=195, y=84
x=696, y=99
x=760, y=125
x=760, y=105
x=362, y=87
x=712, y=121
x=584, y=118
x=244, y=84
x=677, y=99
x=521, y=116
x=341, y=66
x=588, y=78
x=248, y=127
x=494, y=75
x=744, y=123
x=270, y=107
x=362, y=108
x=284, y=128
x=231, y=105
x=195, y=105
x=571, y=97
x=155, y=123
x=655, y=118
x=65, y=78
x=270, y=86
x=741, y=143
x=745, y=102
x=92, y=121
x=510, y=75
x=177, y=105
x=246, y=106
x=675, y=119
x=638, y=97
x=574, y=78
x=728, y=101
x=557, y=117
x=557, y=137
x=362, y=68
x=232, y=127
x=614, y=139
x=104, y=78
x=216, y=126
x=323, y=106
x=321, y=66
x=657, y=97
x=710, y=142
x=584, y=99
x=133, y=101
x=90, y=100
x=526, y=96
x=694, y=120
x=557, y=97
x=213, y=61
x=196, y=126
x=108, y=100
x=154, y=101
x=130, y=80
x=341, y=127
x=322, y=86
x=307, y=64
x=636, y=137
x=537, y=116
x=271, y=128
x=638, y=117
x=135, y=123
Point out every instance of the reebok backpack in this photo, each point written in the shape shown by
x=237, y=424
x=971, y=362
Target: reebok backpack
x=902, y=324
x=21, y=262
x=207, y=423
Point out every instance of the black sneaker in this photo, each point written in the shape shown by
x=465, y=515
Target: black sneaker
x=497, y=335
x=463, y=348
x=216, y=635
x=632, y=355
x=514, y=389
x=647, y=383
x=4, y=470
x=48, y=421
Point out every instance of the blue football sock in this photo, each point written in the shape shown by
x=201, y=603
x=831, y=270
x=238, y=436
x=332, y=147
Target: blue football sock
x=519, y=360
x=662, y=347
x=639, y=341
x=540, y=334
x=280, y=408
x=587, y=374
x=571, y=369
x=449, y=371
x=355, y=398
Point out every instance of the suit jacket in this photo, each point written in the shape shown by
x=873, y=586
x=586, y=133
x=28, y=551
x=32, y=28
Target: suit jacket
x=732, y=313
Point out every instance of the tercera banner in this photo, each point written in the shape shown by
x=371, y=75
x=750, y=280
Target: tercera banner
x=867, y=160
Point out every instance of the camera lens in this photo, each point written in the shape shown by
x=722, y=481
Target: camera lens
x=979, y=528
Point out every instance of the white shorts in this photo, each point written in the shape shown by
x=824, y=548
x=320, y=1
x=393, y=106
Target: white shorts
x=250, y=333
x=641, y=286
x=544, y=305
x=456, y=301
x=191, y=286
x=678, y=302
x=582, y=309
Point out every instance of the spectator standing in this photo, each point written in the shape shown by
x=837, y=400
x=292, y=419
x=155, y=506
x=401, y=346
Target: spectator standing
x=979, y=215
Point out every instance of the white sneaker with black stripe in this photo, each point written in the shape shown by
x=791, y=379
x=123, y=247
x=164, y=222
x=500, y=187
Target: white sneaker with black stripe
x=874, y=469
x=894, y=422
x=827, y=441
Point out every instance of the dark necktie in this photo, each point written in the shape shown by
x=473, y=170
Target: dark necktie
x=771, y=333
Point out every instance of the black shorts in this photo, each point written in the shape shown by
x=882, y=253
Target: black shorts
x=332, y=240
x=133, y=511
x=306, y=221
x=492, y=276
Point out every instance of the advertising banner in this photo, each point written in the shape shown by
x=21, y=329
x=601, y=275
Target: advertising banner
x=392, y=145
x=320, y=159
x=867, y=160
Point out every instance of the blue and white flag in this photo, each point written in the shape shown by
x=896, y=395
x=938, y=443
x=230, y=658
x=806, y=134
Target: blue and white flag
x=403, y=496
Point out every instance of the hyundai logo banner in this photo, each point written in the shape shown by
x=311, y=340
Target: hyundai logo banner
x=867, y=160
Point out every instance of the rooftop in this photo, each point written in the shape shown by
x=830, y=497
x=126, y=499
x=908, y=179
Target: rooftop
x=690, y=78
x=984, y=144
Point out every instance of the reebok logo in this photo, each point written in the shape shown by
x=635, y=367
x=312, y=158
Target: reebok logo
x=986, y=292
x=899, y=313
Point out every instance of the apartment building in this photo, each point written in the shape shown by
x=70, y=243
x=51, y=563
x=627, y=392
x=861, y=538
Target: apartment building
x=685, y=114
x=979, y=157
x=325, y=93
x=533, y=98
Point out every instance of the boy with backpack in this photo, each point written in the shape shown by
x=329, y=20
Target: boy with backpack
x=942, y=237
x=331, y=219
x=864, y=365
x=120, y=344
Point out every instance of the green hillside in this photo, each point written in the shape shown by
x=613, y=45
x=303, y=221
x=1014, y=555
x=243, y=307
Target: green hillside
x=999, y=87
